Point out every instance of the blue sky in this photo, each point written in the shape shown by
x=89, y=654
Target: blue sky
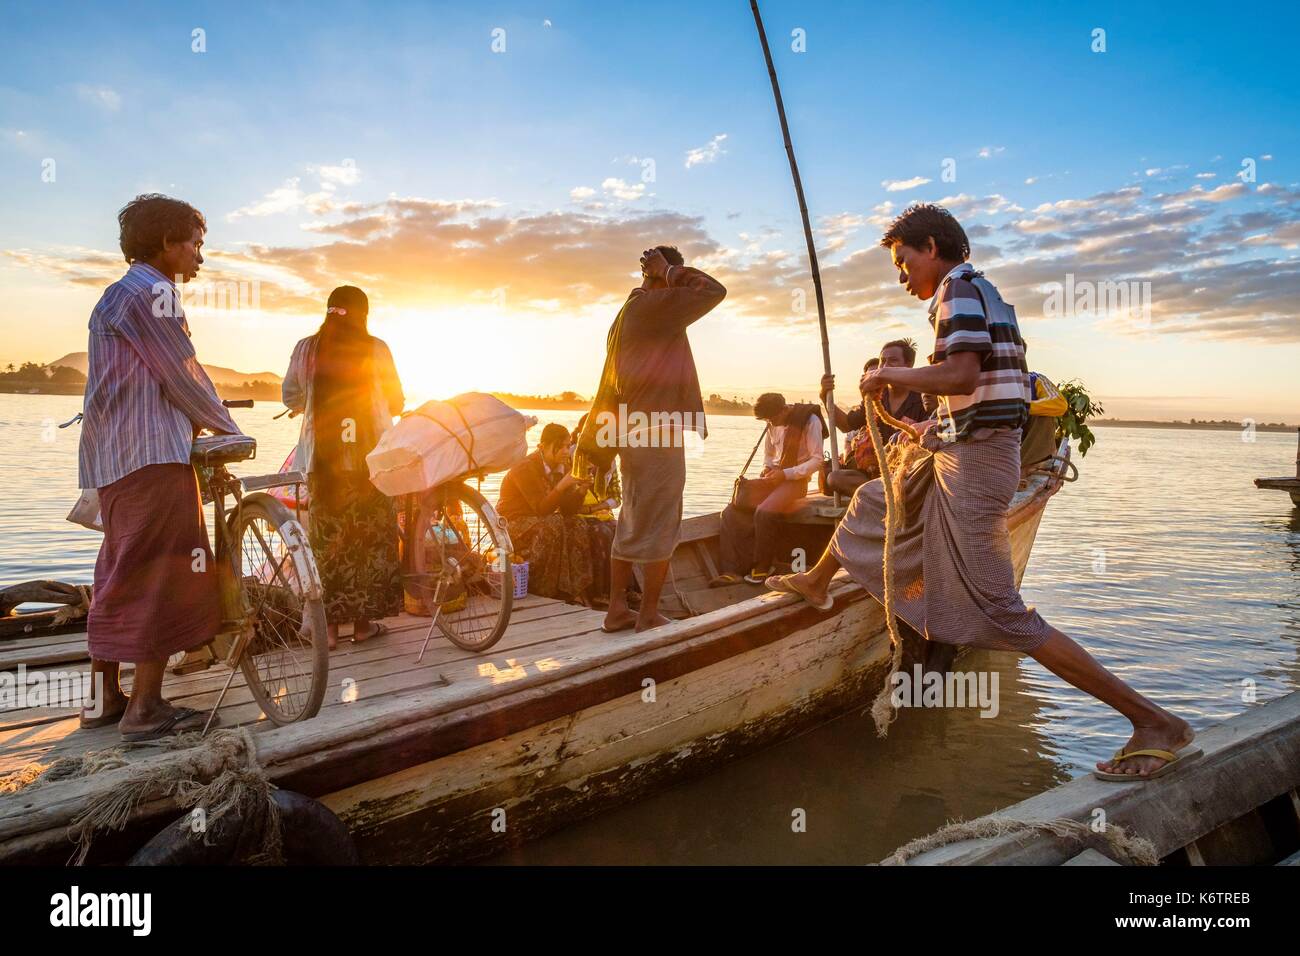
x=501, y=197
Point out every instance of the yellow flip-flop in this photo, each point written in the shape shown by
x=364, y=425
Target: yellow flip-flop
x=785, y=584
x=1173, y=759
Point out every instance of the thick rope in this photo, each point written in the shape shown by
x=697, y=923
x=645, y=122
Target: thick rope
x=882, y=709
x=1129, y=850
x=217, y=774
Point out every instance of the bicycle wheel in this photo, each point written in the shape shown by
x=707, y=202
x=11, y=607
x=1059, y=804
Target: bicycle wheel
x=286, y=664
x=460, y=556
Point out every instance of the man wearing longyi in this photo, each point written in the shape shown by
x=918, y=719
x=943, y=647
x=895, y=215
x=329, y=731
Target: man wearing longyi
x=147, y=396
x=954, y=580
x=648, y=399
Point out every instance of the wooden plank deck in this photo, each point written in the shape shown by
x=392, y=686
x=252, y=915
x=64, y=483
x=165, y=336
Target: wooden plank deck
x=379, y=668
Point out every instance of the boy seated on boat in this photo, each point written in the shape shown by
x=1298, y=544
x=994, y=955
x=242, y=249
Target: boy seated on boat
x=951, y=559
x=751, y=525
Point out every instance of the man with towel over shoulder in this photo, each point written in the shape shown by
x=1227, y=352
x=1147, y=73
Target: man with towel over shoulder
x=648, y=399
x=954, y=579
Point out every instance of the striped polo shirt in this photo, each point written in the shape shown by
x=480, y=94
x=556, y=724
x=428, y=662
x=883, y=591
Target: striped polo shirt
x=965, y=321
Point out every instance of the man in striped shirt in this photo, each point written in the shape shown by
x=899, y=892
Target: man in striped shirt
x=146, y=399
x=954, y=579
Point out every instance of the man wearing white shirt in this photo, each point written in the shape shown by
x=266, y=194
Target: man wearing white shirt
x=792, y=454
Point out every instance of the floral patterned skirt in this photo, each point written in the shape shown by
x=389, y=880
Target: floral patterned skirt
x=354, y=540
x=568, y=555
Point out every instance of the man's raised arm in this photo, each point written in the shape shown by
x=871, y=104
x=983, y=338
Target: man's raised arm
x=691, y=294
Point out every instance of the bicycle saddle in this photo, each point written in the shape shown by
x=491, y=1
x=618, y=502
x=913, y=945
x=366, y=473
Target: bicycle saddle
x=222, y=449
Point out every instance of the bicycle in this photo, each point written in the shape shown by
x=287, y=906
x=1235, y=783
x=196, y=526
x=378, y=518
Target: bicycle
x=273, y=611
x=459, y=565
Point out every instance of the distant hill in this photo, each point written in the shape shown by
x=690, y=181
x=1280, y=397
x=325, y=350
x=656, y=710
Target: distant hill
x=218, y=374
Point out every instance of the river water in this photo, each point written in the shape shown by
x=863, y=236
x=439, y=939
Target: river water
x=1163, y=560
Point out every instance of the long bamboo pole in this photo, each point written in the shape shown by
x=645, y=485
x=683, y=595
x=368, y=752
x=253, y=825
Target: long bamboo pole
x=829, y=397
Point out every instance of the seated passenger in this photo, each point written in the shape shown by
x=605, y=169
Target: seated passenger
x=859, y=459
x=602, y=499
x=567, y=553
x=792, y=453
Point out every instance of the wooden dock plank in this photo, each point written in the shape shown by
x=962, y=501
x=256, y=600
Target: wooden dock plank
x=387, y=667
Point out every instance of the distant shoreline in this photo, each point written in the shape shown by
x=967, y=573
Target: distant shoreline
x=1197, y=426
x=271, y=393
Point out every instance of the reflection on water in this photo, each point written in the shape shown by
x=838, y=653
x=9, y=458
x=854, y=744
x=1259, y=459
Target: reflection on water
x=1163, y=560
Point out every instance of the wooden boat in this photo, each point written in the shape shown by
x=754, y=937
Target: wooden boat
x=1236, y=805
x=463, y=755
x=1291, y=485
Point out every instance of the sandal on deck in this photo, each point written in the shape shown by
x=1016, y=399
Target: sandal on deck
x=1172, y=760
x=785, y=584
x=377, y=629
x=724, y=580
x=172, y=724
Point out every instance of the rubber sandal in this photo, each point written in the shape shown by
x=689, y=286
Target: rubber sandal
x=1173, y=760
x=758, y=575
x=784, y=583
x=378, y=629
x=171, y=724
x=724, y=580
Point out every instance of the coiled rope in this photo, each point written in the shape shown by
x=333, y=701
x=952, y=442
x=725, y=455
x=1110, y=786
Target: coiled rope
x=1127, y=849
x=883, y=711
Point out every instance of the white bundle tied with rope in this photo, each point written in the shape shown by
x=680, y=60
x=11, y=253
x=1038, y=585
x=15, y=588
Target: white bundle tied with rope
x=470, y=434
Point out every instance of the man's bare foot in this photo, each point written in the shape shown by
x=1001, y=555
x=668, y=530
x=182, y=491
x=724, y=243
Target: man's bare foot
x=110, y=711
x=1172, y=735
x=618, y=620
x=804, y=585
x=644, y=623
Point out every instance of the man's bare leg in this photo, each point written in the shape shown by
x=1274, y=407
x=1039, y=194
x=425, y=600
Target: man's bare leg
x=106, y=696
x=649, y=615
x=618, y=616
x=816, y=581
x=1153, y=726
x=146, y=708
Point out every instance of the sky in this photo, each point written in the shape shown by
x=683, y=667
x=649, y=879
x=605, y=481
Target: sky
x=490, y=172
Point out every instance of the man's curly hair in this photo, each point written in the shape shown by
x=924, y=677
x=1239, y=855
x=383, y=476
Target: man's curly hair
x=147, y=220
x=923, y=221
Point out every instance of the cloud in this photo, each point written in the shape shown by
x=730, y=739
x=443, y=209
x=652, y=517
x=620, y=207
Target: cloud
x=1199, y=193
x=897, y=185
x=287, y=198
x=579, y=193
x=345, y=174
x=987, y=152
x=1220, y=267
x=292, y=197
x=629, y=192
x=99, y=96
x=708, y=153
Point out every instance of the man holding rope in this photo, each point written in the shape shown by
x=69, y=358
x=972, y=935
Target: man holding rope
x=951, y=555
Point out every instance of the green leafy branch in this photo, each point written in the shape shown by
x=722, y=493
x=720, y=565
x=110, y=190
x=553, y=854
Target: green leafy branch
x=1080, y=407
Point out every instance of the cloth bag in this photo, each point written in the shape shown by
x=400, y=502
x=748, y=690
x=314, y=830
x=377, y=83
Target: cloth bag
x=86, y=511
x=473, y=433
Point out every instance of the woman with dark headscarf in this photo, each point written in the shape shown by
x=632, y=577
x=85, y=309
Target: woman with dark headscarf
x=343, y=380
